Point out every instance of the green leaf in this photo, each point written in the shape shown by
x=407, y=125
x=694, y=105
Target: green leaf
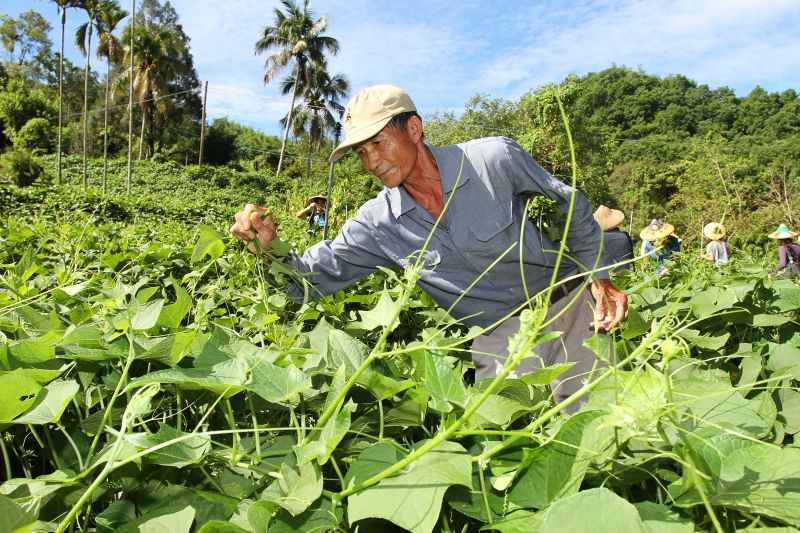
x=326, y=438
x=444, y=383
x=37, y=349
x=712, y=300
x=705, y=342
x=209, y=243
x=557, y=469
x=789, y=401
x=590, y=511
x=767, y=320
x=50, y=403
x=146, y=316
x=220, y=526
x=227, y=378
x=17, y=394
x=172, y=314
x=413, y=498
x=342, y=348
x=170, y=349
x=755, y=478
x=659, y=518
x=520, y=521
x=784, y=360
x=14, y=519
x=297, y=487
x=382, y=314
x=171, y=519
x=183, y=453
x=277, y=384
x=717, y=406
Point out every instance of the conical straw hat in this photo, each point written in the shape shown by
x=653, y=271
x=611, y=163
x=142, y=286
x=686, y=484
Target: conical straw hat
x=608, y=218
x=317, y=197
x=656, y=230
x=714, y=231
x=783, y=232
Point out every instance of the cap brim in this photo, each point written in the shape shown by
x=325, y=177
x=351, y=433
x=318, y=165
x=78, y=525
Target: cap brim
x=613, y=220
x=357, y=137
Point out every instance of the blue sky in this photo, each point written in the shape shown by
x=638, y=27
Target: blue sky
x=444, y=52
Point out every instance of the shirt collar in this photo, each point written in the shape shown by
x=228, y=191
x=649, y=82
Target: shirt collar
x=448, y=161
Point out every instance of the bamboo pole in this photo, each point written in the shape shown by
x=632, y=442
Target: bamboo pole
x=130, y=102
x=337, y=131
x=203, y=125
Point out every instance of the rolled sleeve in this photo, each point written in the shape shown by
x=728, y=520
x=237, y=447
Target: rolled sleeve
x=329, y=266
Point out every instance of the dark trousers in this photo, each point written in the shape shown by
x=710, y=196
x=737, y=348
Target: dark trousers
x=489, y=352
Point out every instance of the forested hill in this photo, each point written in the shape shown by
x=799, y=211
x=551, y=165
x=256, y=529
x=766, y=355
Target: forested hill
x=672, y=148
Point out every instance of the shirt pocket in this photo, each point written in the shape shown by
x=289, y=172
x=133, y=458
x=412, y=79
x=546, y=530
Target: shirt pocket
x=494, y=223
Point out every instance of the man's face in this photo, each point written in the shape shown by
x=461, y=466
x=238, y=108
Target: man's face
x=320, y=205
x=390, y=156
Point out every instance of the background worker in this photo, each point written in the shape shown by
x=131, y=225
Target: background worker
x=659, y=234
x=315, y=212
x=788, y=252
x=617, y=244
x=716, y=249
x=483, y=253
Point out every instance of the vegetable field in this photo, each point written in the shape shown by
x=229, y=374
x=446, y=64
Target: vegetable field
x=150, y=380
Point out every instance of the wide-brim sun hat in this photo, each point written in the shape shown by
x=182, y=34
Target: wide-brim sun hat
x=714, y=231
x=656, y=230
x=317, y=197
x=608, y=218
x=783, y=232
x=368, y=112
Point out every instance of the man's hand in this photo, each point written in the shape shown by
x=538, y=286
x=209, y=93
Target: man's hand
x=610, y=305
x=254, y=226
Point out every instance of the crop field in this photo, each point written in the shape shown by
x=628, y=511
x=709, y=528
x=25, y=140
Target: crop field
x=150, y=380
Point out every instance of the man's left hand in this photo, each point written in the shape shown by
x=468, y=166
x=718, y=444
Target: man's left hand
x=610, y=305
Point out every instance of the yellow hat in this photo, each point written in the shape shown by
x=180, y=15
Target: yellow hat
x=368, y=112
x=783, y=232
x=656, y=230
x=714, y=231
x=608, y=218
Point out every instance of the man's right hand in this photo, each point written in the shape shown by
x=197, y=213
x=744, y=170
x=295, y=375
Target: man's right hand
x=254, y=226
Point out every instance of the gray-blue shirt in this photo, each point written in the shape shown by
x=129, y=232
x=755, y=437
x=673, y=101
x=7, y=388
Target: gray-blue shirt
x=485, y=218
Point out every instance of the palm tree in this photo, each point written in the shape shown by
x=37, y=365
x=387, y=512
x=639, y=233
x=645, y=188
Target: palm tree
x=83, y=40
x=157, y=62
x=317, y=113
x=110, y=48
x=62, y=5
x=295, y=37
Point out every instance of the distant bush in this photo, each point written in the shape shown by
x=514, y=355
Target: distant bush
x=21, y=166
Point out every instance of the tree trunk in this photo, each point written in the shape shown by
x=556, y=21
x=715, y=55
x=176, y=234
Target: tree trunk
x=105, y=128
x=61, y=89
x=289, y=119
x=141, y=134
x=86, y=104
x=130, y=102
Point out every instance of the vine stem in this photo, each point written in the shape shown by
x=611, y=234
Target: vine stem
x=6, y=458
x=117, y=389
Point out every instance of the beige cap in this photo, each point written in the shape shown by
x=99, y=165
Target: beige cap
x=368, y=112
x=656, y=230
x=608, y=218
x=714, y=231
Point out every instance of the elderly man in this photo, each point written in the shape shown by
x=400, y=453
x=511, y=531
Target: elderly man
x=484, y=254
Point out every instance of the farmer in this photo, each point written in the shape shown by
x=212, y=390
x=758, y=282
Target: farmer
x=617, y=245
x=471, y=199
x=717, y=248
x=657, y=234
x=315, y=213
x=788, y=252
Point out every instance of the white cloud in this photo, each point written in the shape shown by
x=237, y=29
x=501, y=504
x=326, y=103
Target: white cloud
x=445, y=51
